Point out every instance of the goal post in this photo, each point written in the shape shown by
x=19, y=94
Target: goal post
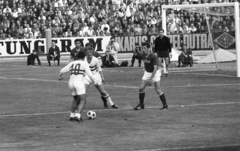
x=235, y=15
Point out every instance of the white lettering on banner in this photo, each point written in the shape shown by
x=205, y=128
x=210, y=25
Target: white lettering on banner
x=132, y=43
x=144, y=38
x=126, y=44
x=170, y=38
x=179, y=42
x=198, y=40
x=192, y=41
x=136, y=39
x=152, y=39
x=120, y=42
x=203, y=41
x=23, y=47
x=209, y=41
x=174, y=41
x=185, y=40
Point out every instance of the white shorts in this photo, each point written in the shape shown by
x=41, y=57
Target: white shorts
x=97, y=77
x=77, y=88
x=156, y=78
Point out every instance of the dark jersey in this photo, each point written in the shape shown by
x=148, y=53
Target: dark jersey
x=74, y=53
x=31, y=59
x=162, y=46
x=149, y=62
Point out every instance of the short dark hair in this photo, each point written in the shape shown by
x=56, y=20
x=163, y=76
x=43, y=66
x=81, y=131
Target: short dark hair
x=161, y=30
x=81, y=55
x=89, y=44
x=146, y=44
x=112, y=38
x=77, y=40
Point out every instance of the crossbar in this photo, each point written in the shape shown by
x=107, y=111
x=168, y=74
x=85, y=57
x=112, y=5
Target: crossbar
x=198, y=5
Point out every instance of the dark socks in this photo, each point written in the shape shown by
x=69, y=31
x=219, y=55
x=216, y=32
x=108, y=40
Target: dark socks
x=141, y=97
x=163, y=99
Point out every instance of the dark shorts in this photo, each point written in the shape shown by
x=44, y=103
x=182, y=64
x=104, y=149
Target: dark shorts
x=163, y=54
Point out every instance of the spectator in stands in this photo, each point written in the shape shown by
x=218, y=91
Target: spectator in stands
x=179, y=30
x=9, y=37
x=232, y=26
x=226, y=29
x=105, y=26
x=101, y=12
x=7, y=10
x=138, y=30
x=31, y=58
x=53, y=54
x=106, y=32
x=186, y=29
x=185, y=58
x=192, y=28
x=202, y=29
x=1, y=34
x=185, y=2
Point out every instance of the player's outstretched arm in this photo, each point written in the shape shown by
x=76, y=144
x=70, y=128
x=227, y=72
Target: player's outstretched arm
x=64, y=70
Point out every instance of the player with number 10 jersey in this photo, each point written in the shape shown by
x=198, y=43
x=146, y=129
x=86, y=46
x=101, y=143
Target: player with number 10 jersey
x=77, y=70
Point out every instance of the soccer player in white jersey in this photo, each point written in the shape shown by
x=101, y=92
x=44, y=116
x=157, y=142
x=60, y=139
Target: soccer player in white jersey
x=78, y=69
x=98, y=75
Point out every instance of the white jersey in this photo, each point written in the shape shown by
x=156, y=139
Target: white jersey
x=94, y=65
x=95, y=68
x=78, y=69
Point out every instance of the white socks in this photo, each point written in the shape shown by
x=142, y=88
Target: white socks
x=78, y=115
x=72, y=115
x=109, y=100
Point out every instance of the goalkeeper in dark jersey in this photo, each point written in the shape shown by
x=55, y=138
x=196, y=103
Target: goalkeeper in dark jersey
x=152, y=75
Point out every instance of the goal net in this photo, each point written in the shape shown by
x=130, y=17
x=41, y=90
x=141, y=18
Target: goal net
x=209, y=31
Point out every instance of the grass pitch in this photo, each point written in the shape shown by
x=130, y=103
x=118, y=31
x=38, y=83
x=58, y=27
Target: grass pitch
x=203, y=111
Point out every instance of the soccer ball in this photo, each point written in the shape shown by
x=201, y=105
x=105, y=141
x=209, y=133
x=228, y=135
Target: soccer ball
x=91, y=115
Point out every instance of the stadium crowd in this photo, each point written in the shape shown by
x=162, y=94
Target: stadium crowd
x=24, y=19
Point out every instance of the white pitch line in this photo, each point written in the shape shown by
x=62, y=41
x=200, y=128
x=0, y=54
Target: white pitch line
x=127, y=108
x=30, y=79
x=190, y=148
x=129, y=87
x=219, y=75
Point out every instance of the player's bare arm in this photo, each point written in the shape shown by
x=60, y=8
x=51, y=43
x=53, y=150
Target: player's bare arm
x=64, y=70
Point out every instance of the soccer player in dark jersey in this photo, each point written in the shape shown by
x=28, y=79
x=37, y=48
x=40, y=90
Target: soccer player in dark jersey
x=74, y=51
x=151, y=75
x=163, y=49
